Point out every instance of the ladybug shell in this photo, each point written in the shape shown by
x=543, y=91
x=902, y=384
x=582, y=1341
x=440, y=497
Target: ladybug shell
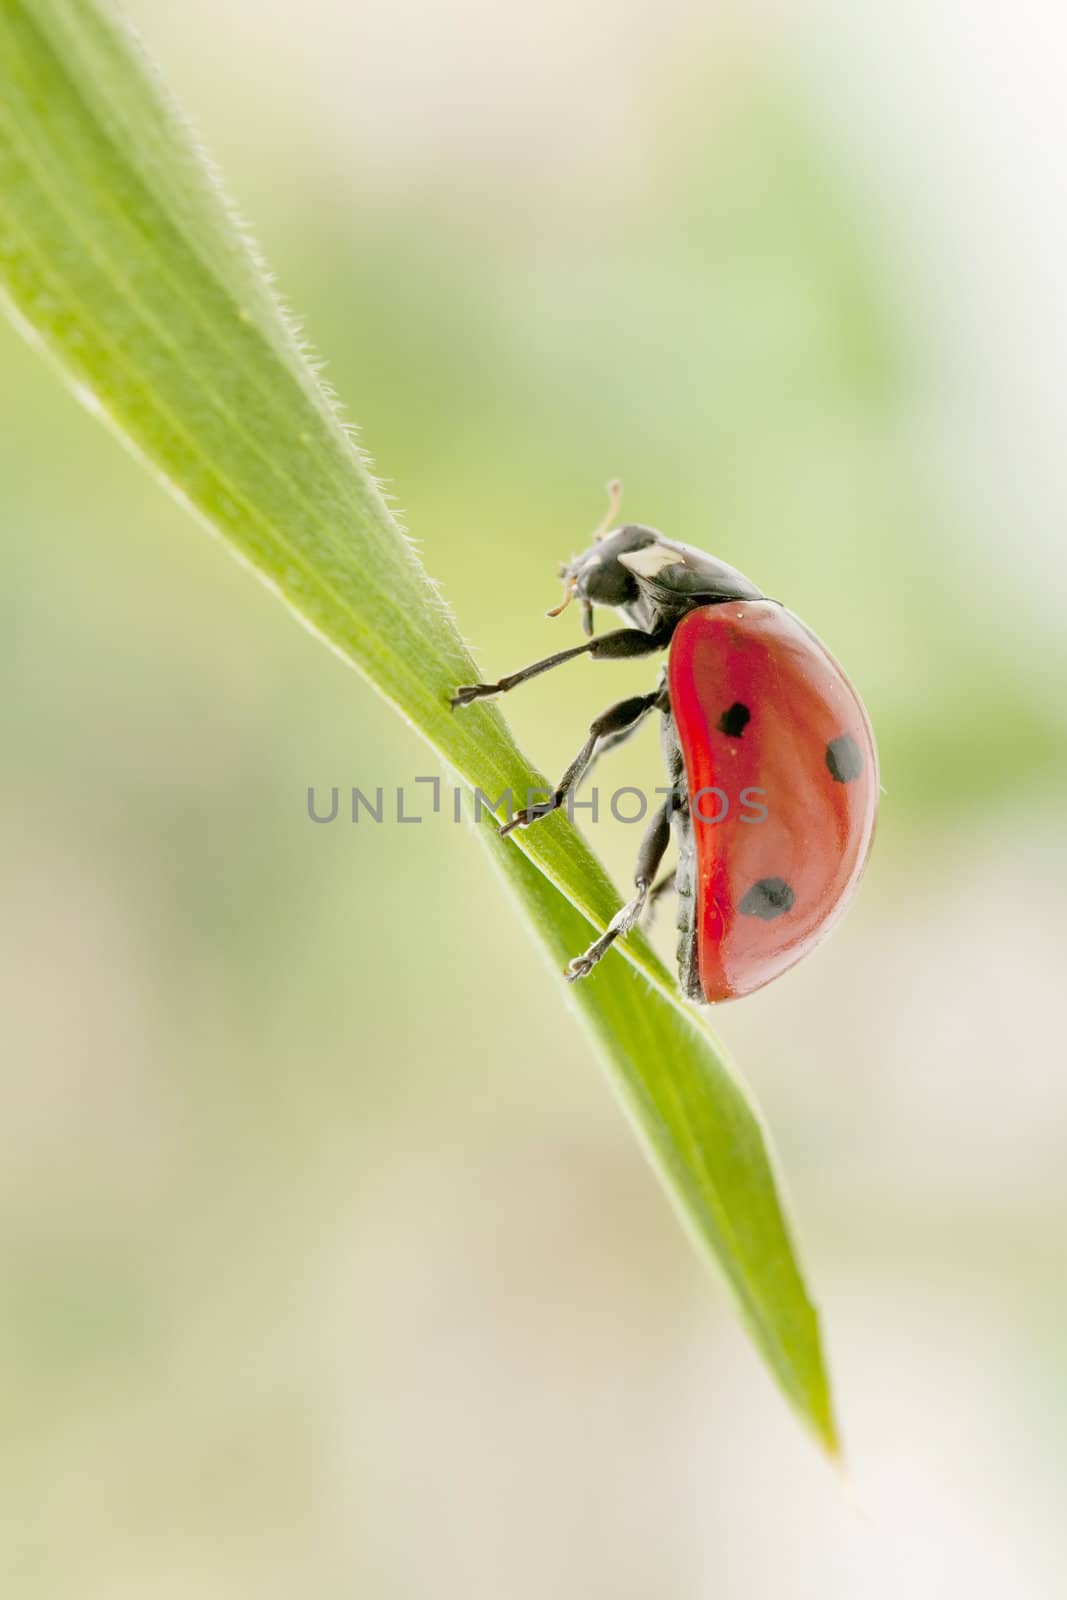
x=759, y=704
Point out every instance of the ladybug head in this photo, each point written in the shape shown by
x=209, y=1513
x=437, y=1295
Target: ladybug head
x=598, y=578
x=652, y=580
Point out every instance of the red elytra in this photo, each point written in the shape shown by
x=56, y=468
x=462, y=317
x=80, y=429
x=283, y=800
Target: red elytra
x=770, y=886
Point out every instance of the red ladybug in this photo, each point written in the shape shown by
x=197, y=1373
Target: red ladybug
x=769, y=750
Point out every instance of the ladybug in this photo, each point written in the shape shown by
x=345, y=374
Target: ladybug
x=769, y=751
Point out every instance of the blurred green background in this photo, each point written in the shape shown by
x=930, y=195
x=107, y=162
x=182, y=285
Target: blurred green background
x=327, y=1265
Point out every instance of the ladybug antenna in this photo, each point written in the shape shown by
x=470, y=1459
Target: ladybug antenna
x=614, y=489
x=569, y=581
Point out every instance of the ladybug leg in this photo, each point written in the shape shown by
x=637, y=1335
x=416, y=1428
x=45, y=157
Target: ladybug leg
x=658, y=890
x=653, y=848
x=615, y=646
x=612, y=726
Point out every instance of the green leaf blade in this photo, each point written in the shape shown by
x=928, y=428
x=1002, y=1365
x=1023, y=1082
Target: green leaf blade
x=119, y=255
x=704, y=1138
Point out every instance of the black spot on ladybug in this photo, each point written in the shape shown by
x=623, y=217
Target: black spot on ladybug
x=767, y=899
x=735, y=720
x=843, y=759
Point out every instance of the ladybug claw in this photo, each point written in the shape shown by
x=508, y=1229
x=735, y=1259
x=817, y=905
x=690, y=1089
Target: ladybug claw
x=469, y=692
x=580, y=967
x=522, y=819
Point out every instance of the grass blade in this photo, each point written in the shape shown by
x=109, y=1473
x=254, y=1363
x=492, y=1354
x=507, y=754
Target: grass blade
x=121, y=259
